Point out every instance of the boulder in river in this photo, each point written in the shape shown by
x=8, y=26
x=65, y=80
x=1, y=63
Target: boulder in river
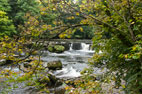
x=54, y=65
x=49, y=81
x=59, y=48
x=50, y=48
x=56, y=48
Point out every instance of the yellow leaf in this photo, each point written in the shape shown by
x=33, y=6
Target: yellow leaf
x=3, y=56
x=134, y=48
x=132, y=22
x=54, y=8
x=20, y=50
x=123, y=86
x=81, y=29
x=61, y=36
x=73, y=17
x=77, y=13
x=126, y=56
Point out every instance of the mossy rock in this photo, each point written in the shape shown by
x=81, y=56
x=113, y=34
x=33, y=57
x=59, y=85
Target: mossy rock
x=51, y=48
x=49, y=81
x=55, y=81
x=56, y=48
x=59, y=48
x=54, y=65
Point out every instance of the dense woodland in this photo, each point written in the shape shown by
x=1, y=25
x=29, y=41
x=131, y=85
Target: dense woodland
x=115, y=27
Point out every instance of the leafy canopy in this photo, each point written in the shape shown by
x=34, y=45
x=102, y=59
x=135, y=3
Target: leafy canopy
x=6, y=25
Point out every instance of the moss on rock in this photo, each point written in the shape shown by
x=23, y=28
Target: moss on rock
x=49, y=81
x=54, y=65
x=56, y=48
x=59, y=48
x=51, y=48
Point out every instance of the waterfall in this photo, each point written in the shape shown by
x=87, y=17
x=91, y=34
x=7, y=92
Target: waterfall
x=85, y=47
x=80, y=46
x=71, y=44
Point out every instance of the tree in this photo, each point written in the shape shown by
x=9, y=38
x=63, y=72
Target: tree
x=6, y=26
x=4, y=5
x=123, y=25
x=19, y=8
x=117, y=25
x=121, y=53
x=118, y=35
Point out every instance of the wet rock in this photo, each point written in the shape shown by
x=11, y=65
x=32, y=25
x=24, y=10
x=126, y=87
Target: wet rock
x=67, y=46
x=56, y=48
x=57, y=90
x=76, y=46
x=59, y=48
x=50, y=48
x=50, y=81
x=9, y=61
x=54, y=81
x=54, y=65
x=5, y=62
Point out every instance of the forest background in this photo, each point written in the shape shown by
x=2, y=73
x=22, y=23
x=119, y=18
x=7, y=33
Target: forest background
x=115, y=27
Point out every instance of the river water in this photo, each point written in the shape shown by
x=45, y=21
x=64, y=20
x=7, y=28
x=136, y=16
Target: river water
x=74, y=60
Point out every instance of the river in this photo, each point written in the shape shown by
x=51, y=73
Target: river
x=74, y=60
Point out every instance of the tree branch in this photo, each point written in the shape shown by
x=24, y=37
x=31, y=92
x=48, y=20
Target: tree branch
x=119, y=33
